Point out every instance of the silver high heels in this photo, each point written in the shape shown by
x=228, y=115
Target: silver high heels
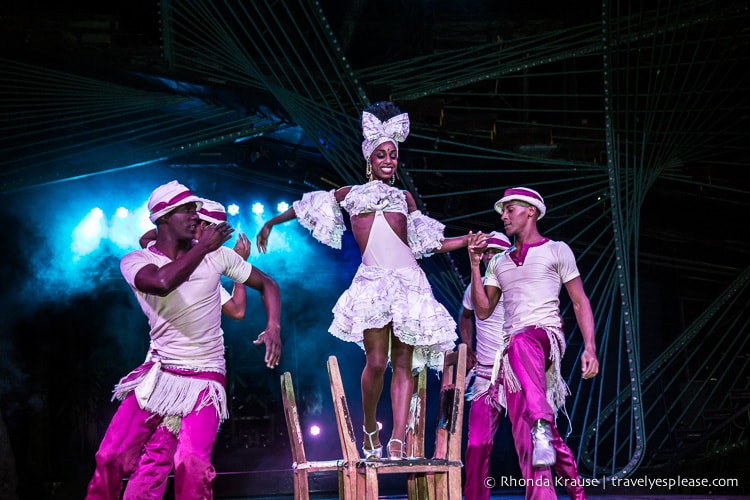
x=396, y=452
x=372, y=452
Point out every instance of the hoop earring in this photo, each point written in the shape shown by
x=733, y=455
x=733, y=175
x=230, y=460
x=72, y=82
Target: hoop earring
x=368, y=172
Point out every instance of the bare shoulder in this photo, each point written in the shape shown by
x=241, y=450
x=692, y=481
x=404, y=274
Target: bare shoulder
x=411, y=204
x=341, y=193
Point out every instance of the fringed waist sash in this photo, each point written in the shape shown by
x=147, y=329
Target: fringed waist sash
x=170, y=391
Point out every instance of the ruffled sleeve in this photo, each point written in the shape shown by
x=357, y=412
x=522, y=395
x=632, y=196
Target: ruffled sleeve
x=424, y=234
x=319, y=212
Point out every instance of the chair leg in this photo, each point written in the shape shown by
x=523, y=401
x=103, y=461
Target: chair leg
x=301, y=485
x=296, y=485
x=342, y=491
x=432, y=487
x=348, y=483
x=454, y=481
x=442, y=489
x=417, y=487
x=371, y=484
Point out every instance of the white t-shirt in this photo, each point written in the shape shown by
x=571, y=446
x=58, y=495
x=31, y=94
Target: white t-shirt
x=489, y=331
x=531, y=288
x=225, y=295
x=186, y=323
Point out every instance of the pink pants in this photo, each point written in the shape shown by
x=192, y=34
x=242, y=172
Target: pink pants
x=135, y=444
x=528, y=355
x=484, y=420
x=149, y=479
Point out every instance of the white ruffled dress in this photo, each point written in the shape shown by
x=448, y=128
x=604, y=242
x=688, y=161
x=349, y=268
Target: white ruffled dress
x=378, y=295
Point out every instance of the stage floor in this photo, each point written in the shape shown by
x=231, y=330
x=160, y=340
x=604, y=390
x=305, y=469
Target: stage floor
x=502, y=496
x=277, y=485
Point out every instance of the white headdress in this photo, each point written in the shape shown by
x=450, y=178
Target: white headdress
x=395, y=129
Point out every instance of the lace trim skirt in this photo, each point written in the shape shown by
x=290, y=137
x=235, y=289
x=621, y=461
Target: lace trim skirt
x=404, y=298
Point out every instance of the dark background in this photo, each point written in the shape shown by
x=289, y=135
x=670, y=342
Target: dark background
x=71, y=327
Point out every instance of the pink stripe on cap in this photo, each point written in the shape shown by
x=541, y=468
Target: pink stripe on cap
x=527, y=195
x=164, y=204
x=498, y=242
x=222, y=216
x=522, y=192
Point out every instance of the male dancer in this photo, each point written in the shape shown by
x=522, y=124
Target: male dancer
x=149, y=478
x=487, y=396
x=529, y=277
x=181, y=387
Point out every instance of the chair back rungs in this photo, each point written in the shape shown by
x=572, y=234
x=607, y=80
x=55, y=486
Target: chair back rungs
x=292, y=419
x=434, y=478
x=301, y=467
x=341, y=409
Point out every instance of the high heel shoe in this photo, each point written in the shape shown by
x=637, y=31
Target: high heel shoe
x=373, y=451
x=396, y=452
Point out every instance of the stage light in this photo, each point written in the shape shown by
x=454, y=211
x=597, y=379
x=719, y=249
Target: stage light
x=258, y=208
x=282, y=207
x=233, y=209
x=127, y=226
x=121, y=230
x=142, y=220
x=89, y=232
x=315, y=430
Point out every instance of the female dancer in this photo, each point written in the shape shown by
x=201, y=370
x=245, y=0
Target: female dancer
x=389, y=309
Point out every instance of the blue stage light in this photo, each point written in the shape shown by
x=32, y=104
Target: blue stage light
x=142, y=220
x=258, y=208
x=127, y=226
x=89, y=232
x=282, y=207
x=122, y=230
x=233, y=209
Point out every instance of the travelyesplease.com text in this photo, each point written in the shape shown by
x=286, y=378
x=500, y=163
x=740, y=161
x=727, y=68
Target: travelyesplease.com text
x=644, y=482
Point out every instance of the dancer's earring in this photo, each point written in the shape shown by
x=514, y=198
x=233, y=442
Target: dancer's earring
x=393, y=179
x=368, y=172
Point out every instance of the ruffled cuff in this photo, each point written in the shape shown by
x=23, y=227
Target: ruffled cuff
x=424, y=233
x=319, y=213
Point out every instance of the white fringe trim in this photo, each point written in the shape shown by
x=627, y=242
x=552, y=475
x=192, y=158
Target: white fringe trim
x=175, y=395
x=479, y=387
x=415, y=410
x=173, y=424
x=557, y=389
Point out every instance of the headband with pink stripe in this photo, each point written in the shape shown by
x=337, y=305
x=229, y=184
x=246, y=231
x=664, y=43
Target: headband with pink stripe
x=524, y=194
x=212, y=212
x=499, y=241
x=169, y=196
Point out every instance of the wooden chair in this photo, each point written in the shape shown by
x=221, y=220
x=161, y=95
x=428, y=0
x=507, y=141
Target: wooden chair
x=434, y=478
x=417, y=485
x=301, y=467
x=349, y=449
